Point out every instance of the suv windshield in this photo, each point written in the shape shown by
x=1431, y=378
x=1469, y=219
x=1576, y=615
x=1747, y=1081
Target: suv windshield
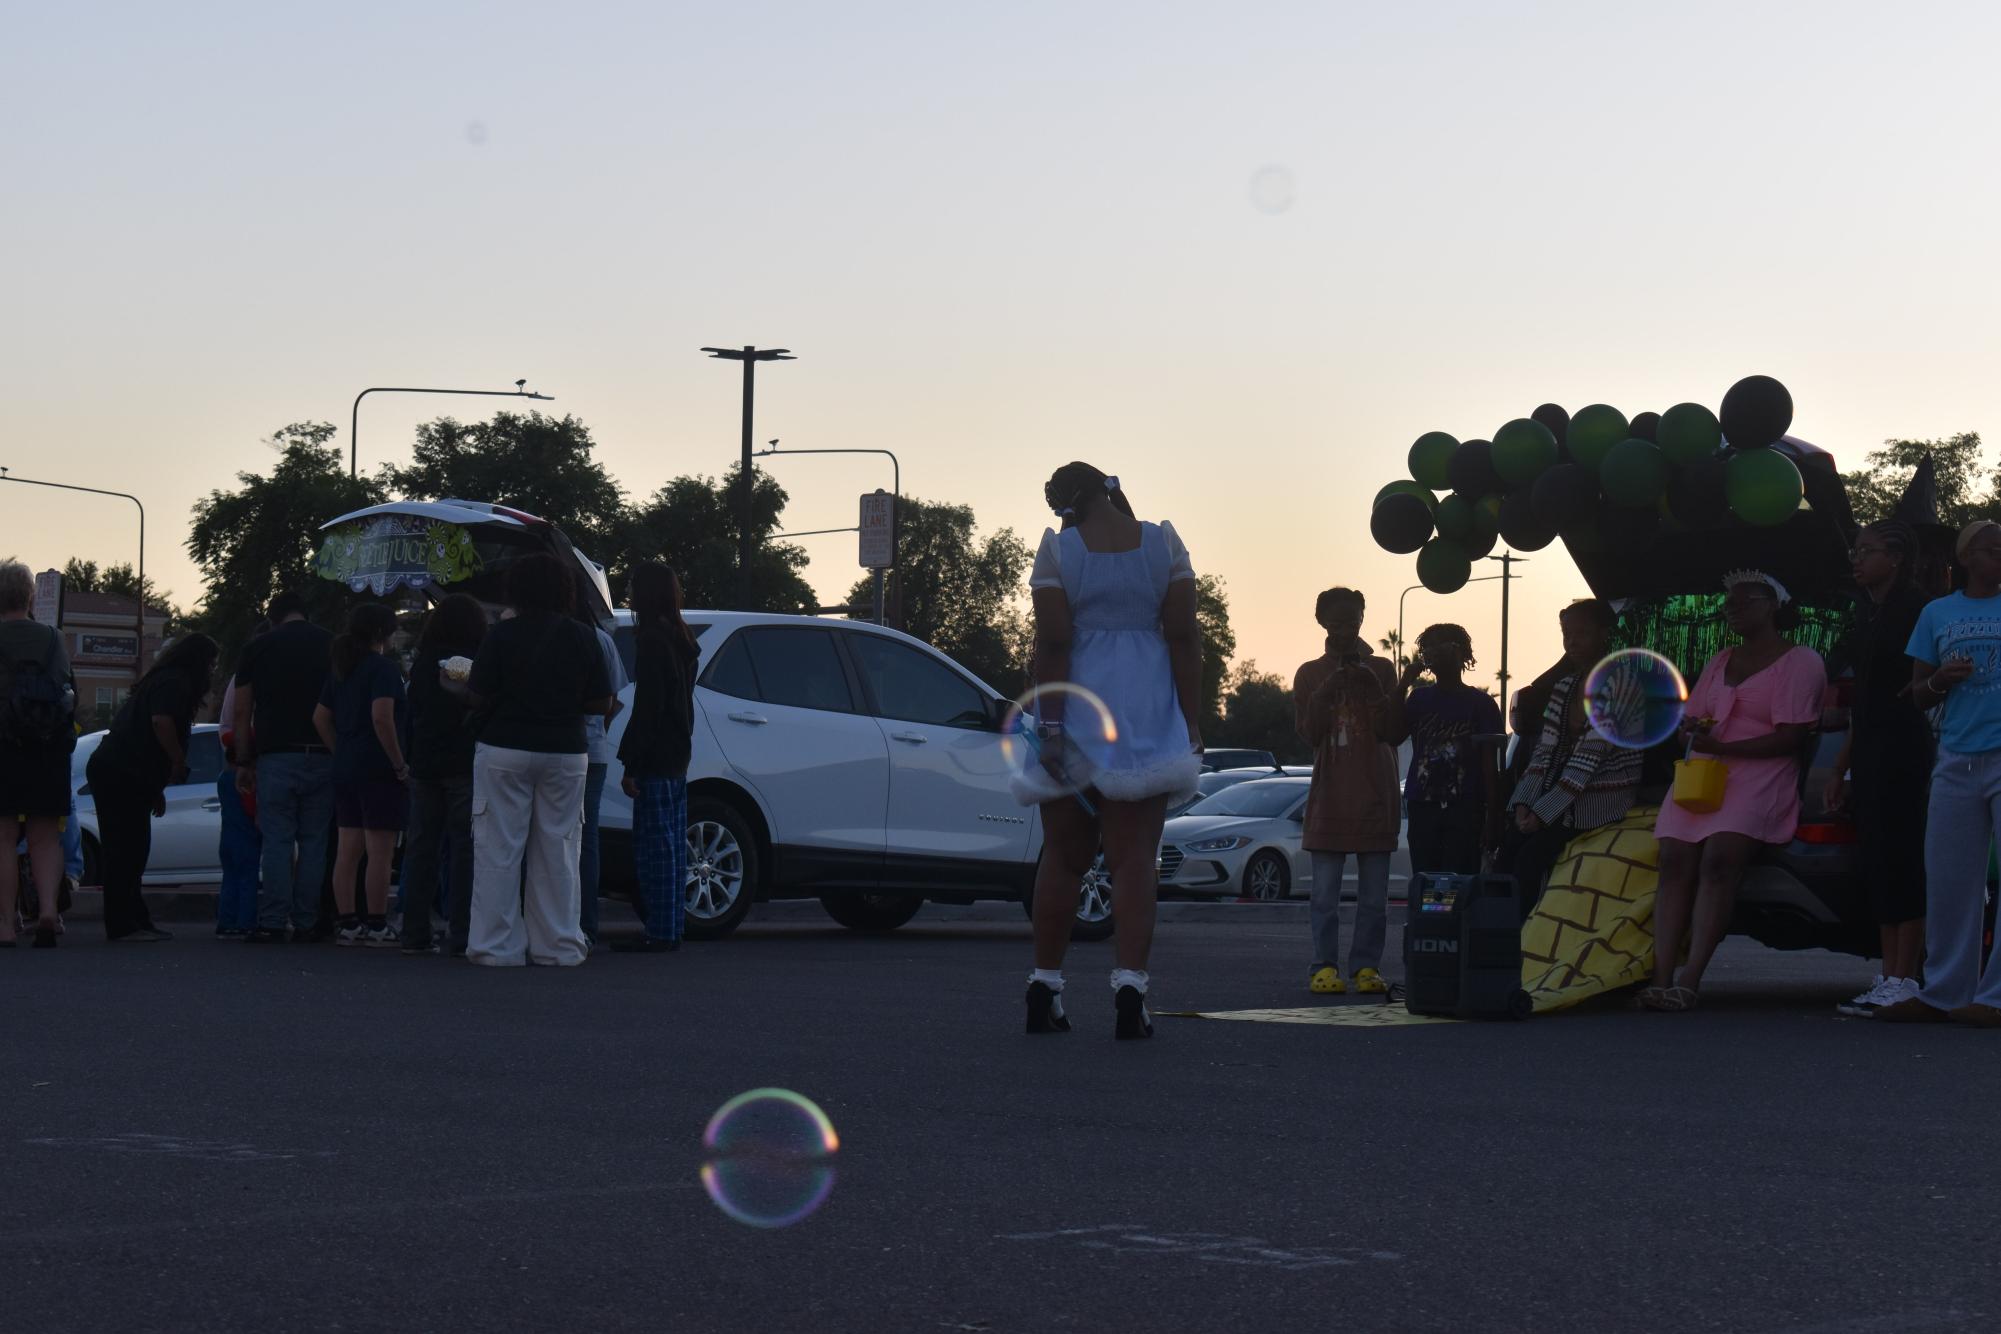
x=1265, y=799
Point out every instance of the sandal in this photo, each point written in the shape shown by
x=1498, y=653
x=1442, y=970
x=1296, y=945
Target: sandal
x=1649, y=998
x=1677, y=1000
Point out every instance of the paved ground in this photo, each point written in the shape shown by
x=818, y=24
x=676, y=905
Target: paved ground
x=219, y=1137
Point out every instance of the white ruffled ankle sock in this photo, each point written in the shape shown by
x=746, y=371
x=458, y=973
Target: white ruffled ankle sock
x=1129, y=977
x=1048, y=977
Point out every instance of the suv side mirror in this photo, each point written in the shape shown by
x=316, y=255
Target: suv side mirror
x=997, y=712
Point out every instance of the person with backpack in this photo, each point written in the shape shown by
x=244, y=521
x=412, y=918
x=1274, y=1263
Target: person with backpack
x=144, y=753
x=37, y=735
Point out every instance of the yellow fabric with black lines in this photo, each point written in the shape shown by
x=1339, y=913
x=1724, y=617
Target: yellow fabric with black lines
x=1593, y=931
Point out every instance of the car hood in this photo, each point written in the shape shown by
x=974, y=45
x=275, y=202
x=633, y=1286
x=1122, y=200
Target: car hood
x=1193, y=828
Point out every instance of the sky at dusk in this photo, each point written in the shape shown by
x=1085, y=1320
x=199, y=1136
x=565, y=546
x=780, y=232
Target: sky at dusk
x=1238, y=255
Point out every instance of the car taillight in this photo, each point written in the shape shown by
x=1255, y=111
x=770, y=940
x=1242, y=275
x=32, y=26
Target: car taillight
x=1826, y=834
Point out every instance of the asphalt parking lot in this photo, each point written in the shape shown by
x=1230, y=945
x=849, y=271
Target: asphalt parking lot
x=205, y=1135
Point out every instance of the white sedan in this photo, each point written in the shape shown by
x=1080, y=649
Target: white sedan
x=1244, y=842
x=186, y=839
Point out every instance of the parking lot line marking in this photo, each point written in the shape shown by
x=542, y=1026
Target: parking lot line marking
x=1346, y=1016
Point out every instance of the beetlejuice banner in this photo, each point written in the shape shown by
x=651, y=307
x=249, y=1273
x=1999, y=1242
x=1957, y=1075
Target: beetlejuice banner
x=391, y=551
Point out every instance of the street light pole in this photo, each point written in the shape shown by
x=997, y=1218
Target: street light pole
x=1507, y=576
x=750, y=355
x=354, y=417
x=138, y=644
x=1483, y=579
x=896, y=484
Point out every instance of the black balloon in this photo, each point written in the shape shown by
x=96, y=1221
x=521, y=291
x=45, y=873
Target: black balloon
x=1555, y=418
x=1695, y=495
x=1472, y=469
x=1478, y=543
x=1565, y=496
x=1644, y=426
x=1400, y=523
x=1756, y=411
x=1521, y=528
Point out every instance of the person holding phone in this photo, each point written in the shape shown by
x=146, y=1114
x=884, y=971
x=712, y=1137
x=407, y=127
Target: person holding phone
x=1956, y=661
x=1348, y=707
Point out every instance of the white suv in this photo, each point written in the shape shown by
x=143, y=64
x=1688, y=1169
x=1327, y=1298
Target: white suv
x=841, y=760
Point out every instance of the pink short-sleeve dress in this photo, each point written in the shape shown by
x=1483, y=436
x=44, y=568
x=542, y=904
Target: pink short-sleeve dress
x=1761, y=797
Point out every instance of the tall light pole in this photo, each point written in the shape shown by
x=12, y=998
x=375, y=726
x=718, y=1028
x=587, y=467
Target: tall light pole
x=749, y=356
x=520, y=390
x=896, y=485
x=138, y=644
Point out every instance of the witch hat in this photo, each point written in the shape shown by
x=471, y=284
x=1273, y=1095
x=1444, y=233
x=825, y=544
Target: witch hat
x=1919, y=507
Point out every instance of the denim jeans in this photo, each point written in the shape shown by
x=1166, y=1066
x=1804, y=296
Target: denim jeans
x=1372, y=909
x=1965, y=812
x=589, y=867
x=295, y=810
x=440, y=834
x=73, y=844
x=240, y=850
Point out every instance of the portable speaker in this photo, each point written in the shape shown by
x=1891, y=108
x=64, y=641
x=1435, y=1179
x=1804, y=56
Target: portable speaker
x=1462, y=948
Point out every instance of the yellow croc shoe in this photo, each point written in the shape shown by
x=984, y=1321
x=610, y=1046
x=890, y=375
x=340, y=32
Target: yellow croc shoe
x=1327, y=982
x=1369, y=982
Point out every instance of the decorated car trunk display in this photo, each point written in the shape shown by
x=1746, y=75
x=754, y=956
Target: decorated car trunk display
x=435, y=547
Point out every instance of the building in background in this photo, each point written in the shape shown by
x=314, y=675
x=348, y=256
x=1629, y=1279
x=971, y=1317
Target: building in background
x=101, y=634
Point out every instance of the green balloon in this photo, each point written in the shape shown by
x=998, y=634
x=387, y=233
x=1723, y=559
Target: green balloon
x=1442, y=566
x=1454, y=517
x=1523, y=450
x=1593, y=432
x=1688, y=433
x=1634, y=474
x=1429, y=458
x=1487, y=517
x=1762, y=486
x=1409, y=488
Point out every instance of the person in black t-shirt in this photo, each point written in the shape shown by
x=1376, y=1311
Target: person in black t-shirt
x=145, y=751
x=535, y=678
x=440, y=774
x=363, y=719
x=287, y=766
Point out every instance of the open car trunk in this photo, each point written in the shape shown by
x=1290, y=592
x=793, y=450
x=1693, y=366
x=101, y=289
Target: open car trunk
x=438, y=547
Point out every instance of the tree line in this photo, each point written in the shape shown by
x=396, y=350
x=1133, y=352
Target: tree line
x=962, y=592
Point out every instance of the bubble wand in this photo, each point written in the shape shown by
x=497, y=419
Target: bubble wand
x=1030, y=735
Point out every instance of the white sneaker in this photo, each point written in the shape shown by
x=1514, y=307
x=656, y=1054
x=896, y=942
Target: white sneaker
x=1885, y=991
x=351, y=935
x=1900, y=989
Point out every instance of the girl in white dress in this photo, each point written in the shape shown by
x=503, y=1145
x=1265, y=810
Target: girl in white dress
x=1114, y=615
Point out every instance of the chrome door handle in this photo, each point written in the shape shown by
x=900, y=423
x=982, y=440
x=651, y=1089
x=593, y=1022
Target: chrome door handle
x=914, y=738
x=212, y=804
x=754, y=719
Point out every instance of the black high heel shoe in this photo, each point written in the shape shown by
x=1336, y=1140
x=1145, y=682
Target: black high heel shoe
x=45, y=936
x=1045, y=1010
x=1134, y=1022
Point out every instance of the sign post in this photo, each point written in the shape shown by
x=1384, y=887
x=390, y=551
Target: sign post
x=878, y=538
x=49, y=598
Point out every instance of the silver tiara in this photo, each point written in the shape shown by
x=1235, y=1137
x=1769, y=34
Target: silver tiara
x=1736, y=577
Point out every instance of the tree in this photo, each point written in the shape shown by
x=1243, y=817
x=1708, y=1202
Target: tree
x=534, y=463
x=84, y=576
x=256, y=541
x=1219, y=644
x=957, y=592
x=692, y=524
x=1258, y=715
x=1873, y=493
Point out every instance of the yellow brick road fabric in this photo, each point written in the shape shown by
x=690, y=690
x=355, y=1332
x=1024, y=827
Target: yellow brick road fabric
x=1353, y=1015
x=1593, y=932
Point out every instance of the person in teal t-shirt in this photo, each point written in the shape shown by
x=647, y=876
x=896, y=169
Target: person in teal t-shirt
x=1956, y=656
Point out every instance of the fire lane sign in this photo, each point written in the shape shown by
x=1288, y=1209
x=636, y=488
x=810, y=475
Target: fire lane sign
x=878, y=531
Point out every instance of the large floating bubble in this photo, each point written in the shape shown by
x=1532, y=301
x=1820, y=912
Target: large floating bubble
x=1071, y=755
x=769, y=1157
x=1634, y=698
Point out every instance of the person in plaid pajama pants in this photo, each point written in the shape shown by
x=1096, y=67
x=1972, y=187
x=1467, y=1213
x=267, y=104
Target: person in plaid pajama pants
x=655, y=752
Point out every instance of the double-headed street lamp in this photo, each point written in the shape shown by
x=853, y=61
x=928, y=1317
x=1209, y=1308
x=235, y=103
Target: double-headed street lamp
x=749, y=356
x=1507, y=575
x=520, y=390
x=138, y=644
x=896, y=484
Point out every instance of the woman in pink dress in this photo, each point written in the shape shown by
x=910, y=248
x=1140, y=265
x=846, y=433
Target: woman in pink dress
x=1754, y=708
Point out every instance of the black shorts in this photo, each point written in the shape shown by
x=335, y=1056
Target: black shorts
x=34, y=780
x=1890, y=845
x=381, y=804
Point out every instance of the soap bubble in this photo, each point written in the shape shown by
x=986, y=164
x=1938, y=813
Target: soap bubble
x=1272, y=190
x=476, y=133
x=1635, y=698
x=1071, y=759
x=769, y=1157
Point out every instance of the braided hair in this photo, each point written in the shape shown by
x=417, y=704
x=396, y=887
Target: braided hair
x=1074, y=488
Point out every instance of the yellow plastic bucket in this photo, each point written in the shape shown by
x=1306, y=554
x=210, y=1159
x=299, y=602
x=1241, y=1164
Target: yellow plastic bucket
x=1698, y=785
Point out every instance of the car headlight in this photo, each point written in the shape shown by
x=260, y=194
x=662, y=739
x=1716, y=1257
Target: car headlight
x=1228, y=844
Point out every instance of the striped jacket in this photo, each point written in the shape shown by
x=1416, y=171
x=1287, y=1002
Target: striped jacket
x=1582, y=780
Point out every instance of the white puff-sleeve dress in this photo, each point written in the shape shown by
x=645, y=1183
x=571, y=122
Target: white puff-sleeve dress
x=1118, y=653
